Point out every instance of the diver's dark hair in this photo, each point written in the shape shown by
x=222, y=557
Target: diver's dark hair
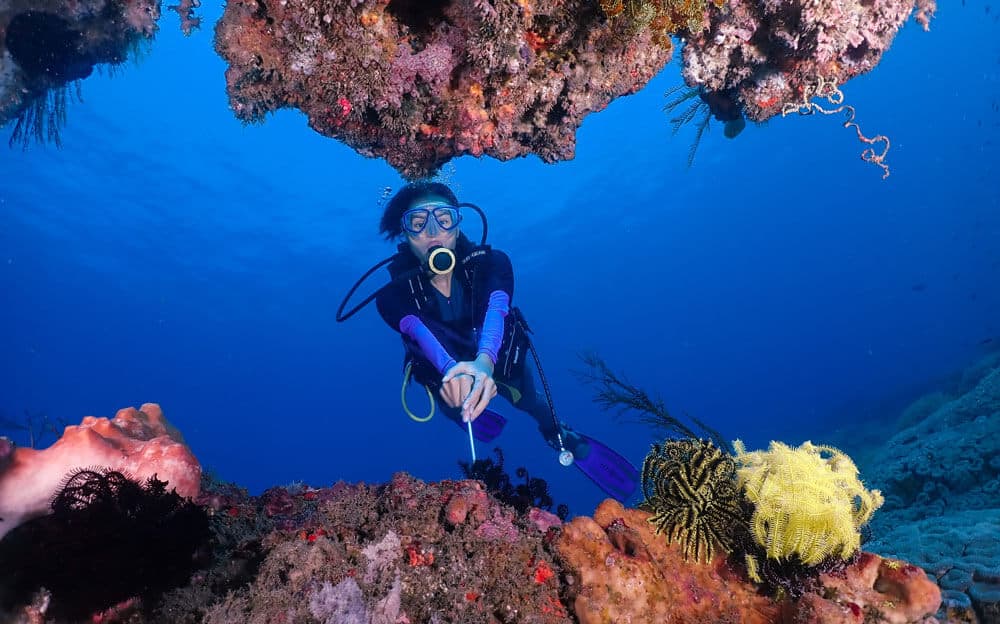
x=404, y=198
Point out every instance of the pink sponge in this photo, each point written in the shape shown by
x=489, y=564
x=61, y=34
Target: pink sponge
x=139, y=443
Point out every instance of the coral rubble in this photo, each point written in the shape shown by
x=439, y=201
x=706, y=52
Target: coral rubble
x=419, y=83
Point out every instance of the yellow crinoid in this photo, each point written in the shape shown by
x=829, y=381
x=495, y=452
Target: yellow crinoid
x=808, y=501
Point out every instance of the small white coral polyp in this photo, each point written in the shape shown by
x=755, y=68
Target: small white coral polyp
x=808, y=501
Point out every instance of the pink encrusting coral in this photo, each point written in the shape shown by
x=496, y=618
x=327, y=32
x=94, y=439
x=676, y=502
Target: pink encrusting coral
x=185, y=10
x=623, y=571
x=140, y=443
x=420, y=82
x=765, y=54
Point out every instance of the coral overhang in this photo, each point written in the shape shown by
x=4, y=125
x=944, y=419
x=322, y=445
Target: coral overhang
x=46, y=45
x=418, y=83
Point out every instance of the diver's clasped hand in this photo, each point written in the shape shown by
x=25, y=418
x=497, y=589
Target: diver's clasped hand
x=470, y=383
x=452, y=391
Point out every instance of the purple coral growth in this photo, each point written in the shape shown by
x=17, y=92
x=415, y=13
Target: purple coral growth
x=768, y=51
x=342, y=603
x=418, y=83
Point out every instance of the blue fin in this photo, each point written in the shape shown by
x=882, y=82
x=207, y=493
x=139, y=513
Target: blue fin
x=610, y=471
x=487, y=426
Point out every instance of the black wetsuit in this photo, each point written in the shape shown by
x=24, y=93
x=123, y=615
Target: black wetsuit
x=457, y=321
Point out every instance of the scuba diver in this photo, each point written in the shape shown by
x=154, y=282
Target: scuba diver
x=450, y=301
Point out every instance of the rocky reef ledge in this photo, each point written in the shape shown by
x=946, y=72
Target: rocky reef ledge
x=111, y=548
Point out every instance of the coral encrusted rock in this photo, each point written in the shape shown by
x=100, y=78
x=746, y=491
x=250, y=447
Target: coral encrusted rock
x=419, y=82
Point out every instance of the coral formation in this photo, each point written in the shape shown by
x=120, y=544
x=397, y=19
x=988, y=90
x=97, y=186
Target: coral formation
x=139, y=539
x=948, y=460
x=765, y=53
x=420, y=83
x=185, y=10
x=622, y=571
x=791, y=514
x=405, y=551
x=663, y=17
x=706, y=105
x=871, y=589
x=808, y=501
x=533, y=492
x=941, y=476
x=140, y=443
x=961, y=551
x=690, y=489
x=50, y=44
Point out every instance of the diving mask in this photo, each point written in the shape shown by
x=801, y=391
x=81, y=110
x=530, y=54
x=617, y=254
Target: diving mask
x=432, y=218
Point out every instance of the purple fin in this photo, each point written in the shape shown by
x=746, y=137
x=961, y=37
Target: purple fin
x=610, y=471
x=487, y=426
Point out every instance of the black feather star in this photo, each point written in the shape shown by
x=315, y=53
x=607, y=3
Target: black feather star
x=690, y=489
x=109, y=538
x=531, y=492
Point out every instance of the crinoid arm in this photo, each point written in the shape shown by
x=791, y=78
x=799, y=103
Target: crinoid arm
x=613, y=391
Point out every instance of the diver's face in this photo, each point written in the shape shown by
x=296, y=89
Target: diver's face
x=428, y=223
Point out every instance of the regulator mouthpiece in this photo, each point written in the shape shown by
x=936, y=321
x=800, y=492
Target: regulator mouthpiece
x=441, y=260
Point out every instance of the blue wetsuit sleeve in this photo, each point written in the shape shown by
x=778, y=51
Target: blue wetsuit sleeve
x=500, y=285
x=491, y=337
x=430, y=346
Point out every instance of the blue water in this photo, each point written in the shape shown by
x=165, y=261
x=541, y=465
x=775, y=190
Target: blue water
x=778, y=289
